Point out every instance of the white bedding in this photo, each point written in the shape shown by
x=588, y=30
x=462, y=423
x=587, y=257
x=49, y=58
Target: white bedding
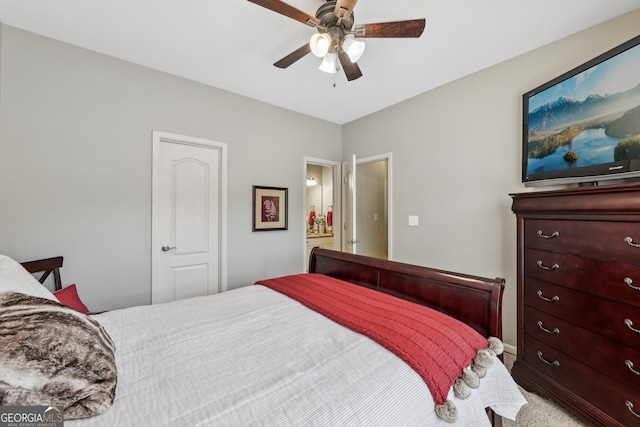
x=254, y=357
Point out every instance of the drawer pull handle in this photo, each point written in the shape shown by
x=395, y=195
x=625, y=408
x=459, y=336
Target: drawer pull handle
x=548, y=236
x=629, y=241
x=630, y=408
x=544, y=267
x=549, y=331
x=629, y=283
x=554, y=363
x=629, y=364
x=629, y=324
x=554, y=299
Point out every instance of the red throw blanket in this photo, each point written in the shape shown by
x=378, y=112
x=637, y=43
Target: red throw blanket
x=438, y=347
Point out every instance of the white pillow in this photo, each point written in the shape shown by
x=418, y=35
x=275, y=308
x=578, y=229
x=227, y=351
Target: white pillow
x=13, y=277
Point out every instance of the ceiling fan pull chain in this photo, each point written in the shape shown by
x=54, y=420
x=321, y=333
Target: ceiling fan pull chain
x=337, y=69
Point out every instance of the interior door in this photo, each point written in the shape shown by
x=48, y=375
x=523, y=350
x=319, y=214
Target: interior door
x=186, y=243
x=349, y=241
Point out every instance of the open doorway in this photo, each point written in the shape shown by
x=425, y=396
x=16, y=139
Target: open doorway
x=372, y=214
x=321, y=205
x=367, y=200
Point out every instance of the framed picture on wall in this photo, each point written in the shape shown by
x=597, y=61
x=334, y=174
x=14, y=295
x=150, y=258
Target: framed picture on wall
x=270, y=210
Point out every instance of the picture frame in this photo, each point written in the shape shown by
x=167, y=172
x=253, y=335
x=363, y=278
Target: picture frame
x=270, y=208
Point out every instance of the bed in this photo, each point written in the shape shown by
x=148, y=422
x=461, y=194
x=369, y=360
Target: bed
x=263, y=355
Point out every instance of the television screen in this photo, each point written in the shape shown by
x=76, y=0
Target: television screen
x=585, y=125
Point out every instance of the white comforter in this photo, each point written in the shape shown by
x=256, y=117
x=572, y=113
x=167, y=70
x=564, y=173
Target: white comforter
x=254, y=357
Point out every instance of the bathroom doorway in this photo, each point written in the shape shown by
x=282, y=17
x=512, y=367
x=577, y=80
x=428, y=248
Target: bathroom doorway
x=321, y=205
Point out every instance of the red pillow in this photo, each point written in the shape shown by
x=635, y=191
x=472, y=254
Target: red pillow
x=69, y=297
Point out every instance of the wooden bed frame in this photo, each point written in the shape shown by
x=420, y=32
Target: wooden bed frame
x=47, y=266
x=476, y=301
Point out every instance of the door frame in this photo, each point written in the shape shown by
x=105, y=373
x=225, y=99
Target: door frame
x=337, y=200
x=159, y=137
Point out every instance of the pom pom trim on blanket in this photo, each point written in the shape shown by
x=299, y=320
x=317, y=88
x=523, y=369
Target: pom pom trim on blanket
x=470, y=379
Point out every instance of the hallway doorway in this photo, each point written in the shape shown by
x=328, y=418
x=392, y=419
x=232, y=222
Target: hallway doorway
x=367, y=200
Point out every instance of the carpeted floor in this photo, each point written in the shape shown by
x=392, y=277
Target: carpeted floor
x=539, y=412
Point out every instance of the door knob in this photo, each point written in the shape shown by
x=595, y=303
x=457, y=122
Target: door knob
x=167, y=248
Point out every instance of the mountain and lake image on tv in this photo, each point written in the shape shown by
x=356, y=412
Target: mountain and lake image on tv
x=585, y=125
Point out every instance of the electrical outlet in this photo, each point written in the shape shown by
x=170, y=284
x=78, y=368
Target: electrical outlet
x=413, y=221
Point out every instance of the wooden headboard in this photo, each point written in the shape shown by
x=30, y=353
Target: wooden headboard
x=476, y=301
x=47, y=266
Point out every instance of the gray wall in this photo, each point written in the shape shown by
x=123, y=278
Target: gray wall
x=75, y=165
x=456, y=154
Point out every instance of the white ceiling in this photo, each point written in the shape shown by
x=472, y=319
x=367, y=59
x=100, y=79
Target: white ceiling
x=232, y=44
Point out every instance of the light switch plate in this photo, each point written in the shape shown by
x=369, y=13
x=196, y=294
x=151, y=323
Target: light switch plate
x=413, y=221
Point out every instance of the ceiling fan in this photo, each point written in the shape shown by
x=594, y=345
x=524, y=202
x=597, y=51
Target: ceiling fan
x=336, y=36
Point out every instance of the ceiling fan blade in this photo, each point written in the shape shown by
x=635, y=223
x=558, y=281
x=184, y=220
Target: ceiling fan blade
x=410, y=28
x=344, y=8
x=293, y=56
x=351, y=69
x=288, y=10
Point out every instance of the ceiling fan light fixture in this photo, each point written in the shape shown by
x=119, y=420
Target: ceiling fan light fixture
x=354, y=48
x=328, y=63
x=320, y=44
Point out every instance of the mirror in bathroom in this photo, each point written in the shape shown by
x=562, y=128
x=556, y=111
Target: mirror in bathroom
x=319, y=200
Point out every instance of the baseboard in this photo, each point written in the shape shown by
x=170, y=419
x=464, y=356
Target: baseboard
x=511, y=349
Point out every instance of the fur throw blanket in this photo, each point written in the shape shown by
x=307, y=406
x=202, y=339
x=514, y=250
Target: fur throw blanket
x=52, y=355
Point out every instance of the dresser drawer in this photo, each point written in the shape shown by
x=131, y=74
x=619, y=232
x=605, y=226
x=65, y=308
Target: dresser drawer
x=614, y=320
x=612, y=280
x=598, y=388
x=620, y=362
x=605, y=240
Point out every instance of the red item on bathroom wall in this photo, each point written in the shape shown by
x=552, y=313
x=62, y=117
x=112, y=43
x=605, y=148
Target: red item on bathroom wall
x=312, y=216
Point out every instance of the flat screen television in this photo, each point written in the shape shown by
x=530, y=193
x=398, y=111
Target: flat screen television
x=584, y=126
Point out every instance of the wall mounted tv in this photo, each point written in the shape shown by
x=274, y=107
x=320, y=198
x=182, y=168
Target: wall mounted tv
x=584, y=126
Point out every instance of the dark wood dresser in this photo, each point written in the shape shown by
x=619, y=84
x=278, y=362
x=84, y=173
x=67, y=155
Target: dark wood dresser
x=579, y=300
